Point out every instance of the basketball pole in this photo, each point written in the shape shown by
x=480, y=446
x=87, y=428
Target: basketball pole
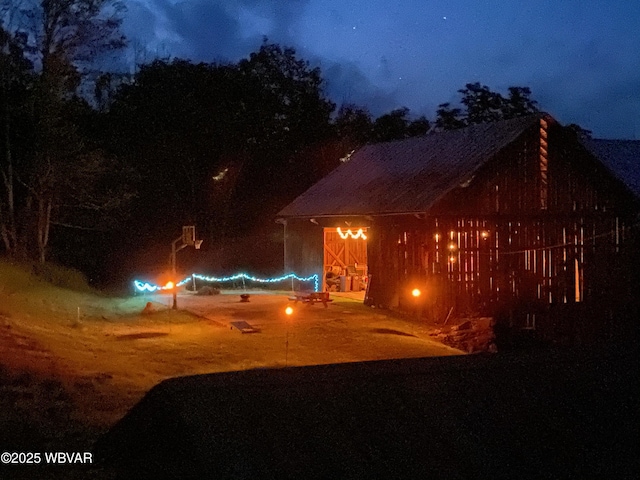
x=188, y=238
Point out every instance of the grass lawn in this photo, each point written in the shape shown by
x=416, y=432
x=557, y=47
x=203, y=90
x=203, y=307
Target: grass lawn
x=73, y=363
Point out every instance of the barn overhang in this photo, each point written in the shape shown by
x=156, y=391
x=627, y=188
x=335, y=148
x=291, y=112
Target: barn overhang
x=333, y=221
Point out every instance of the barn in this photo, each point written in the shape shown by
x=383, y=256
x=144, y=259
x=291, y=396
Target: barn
x=520, y=219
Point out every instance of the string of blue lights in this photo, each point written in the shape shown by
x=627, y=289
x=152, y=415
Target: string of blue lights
x=149, y=287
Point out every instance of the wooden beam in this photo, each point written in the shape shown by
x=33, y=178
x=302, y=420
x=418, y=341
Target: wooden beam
x=334, y=255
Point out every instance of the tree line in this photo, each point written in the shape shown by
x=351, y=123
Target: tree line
x=89, y=158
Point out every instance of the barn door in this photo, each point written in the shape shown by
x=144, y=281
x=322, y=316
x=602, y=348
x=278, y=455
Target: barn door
x=345, y=253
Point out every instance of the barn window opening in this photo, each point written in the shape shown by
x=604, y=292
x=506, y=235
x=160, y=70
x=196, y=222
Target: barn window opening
x=578, y=281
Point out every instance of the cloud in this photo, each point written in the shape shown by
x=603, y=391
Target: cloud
x=219, y=31
x=580, y=62
x=595, y=86
x=209, y=30
x=346, y=83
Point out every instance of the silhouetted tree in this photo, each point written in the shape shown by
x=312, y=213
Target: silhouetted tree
x=418, y=127
x=448, y=118
x=391, y=126
x=396, y=125
x=518, y=103
x=482, y=105
x=60, y=37
x=291, y=109
x=184, y=125
x=174, y=122
x=288, y=113
x=354, y=125
x=16, y=83
x=579, y=131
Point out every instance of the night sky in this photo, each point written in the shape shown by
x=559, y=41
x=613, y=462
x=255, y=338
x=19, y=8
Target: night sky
x=581, y=58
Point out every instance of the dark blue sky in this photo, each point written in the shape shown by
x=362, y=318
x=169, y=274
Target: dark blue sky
x=581, y=58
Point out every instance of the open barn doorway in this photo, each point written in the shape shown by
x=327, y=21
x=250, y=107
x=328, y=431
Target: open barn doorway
x=345, y=259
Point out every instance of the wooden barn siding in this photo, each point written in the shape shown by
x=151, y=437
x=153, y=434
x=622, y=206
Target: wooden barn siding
x=526, y=265
x=519, y=269
x=304, y=248
x=383, y=268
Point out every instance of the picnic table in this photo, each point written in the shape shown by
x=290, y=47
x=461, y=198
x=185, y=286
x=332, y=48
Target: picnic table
x=311, y=298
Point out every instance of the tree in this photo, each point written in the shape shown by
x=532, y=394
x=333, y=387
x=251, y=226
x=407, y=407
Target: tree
x=286, y=112
x=16, y=80
x=354, y=125
x=396, y=125
x=578, y=131
x=418, y=127
x=518, y=103
x=391, y=126
x=180, y=125
x=61, y=37
x=482, y=105
x=106, y=86
x=222, y=145
x=289, y=108
x=448, y=118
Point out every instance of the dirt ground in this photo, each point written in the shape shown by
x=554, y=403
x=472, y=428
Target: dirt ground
x=71, y=365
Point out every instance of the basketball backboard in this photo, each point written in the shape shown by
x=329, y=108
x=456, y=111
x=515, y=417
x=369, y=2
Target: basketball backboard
x=189, y=235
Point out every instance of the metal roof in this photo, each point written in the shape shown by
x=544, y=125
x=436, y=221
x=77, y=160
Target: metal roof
x=622, y=157
x=406, y=176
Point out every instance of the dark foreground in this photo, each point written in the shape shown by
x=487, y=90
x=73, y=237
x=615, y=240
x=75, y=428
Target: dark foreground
x=543, y=414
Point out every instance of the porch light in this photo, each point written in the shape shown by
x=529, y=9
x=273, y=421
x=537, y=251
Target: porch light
x=416, y=292
x=288, y=310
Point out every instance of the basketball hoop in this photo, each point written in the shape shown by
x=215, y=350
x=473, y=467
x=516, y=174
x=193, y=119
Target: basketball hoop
x=187, y=239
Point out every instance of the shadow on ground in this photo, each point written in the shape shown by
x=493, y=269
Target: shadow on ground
x=538, y=414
